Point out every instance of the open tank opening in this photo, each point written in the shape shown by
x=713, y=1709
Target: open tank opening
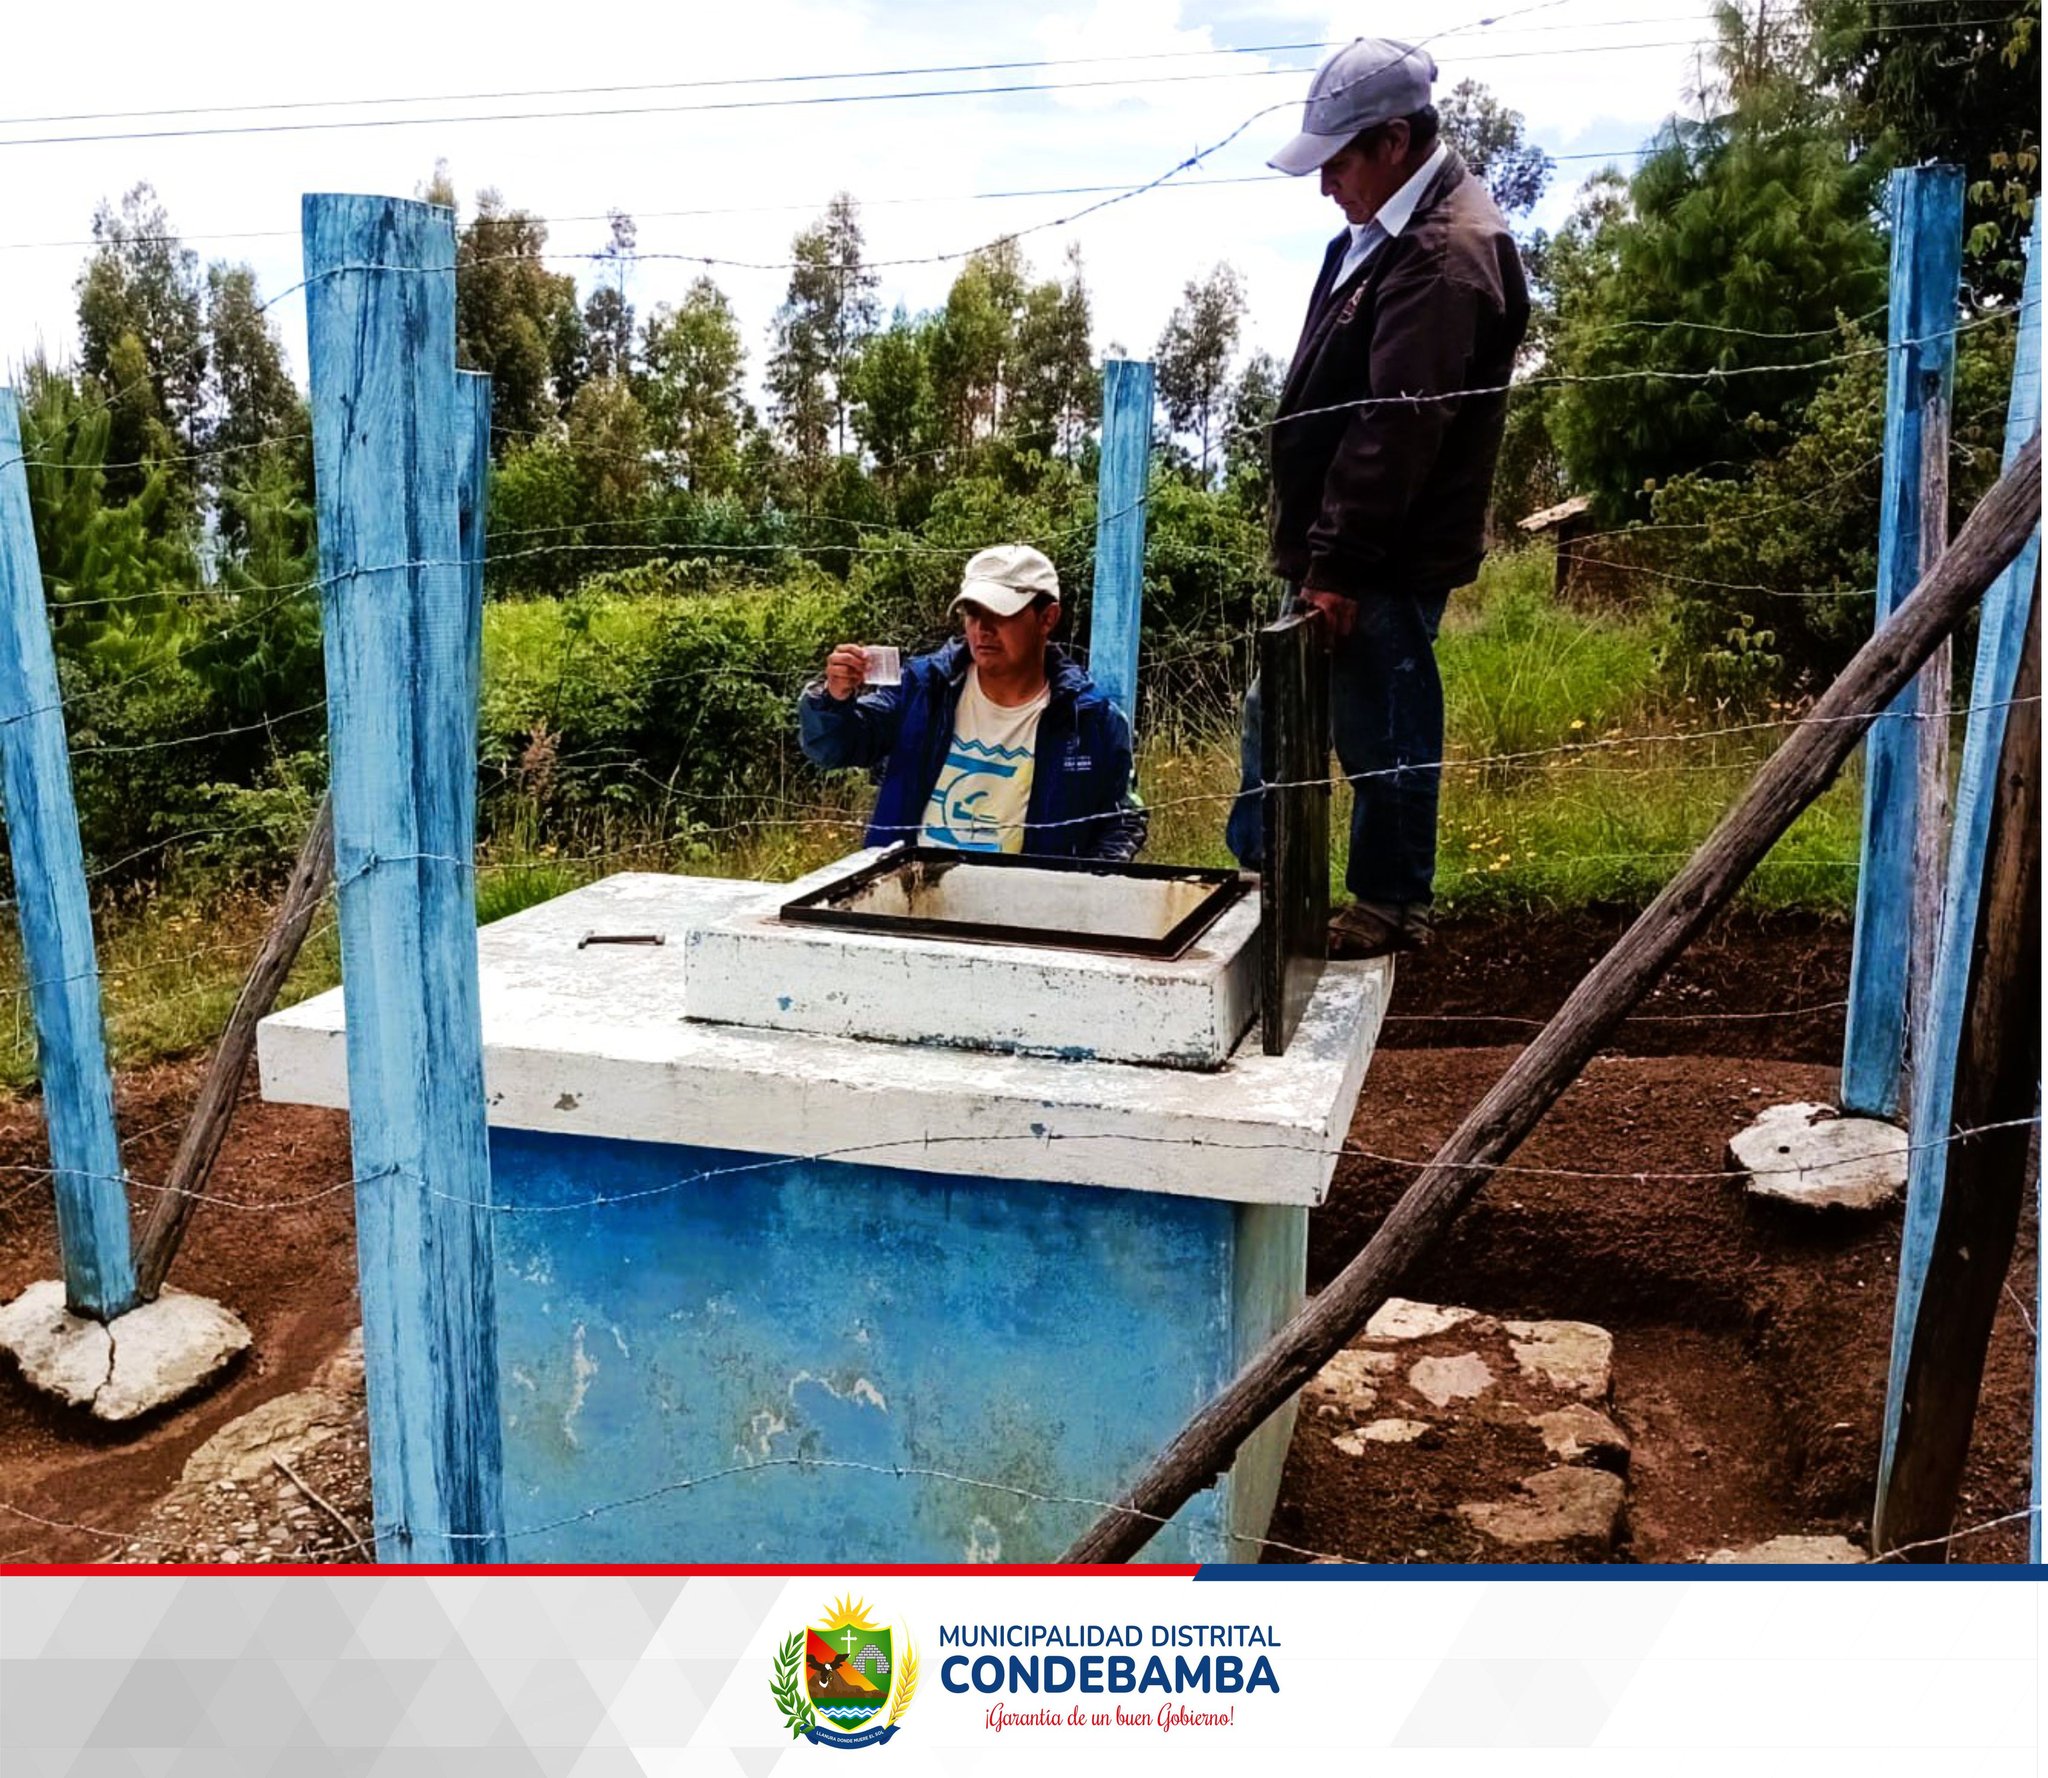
x=1145, y=910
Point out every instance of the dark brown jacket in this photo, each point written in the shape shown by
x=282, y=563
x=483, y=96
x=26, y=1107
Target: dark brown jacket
x=1393, y=494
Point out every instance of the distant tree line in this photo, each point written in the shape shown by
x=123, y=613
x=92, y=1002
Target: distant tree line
x=170, y=469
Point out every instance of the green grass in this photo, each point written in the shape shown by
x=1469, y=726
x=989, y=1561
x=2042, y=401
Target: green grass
x=1575, y=779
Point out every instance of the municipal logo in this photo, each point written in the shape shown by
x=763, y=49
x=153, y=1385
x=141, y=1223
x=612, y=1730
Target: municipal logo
x=846, y=1681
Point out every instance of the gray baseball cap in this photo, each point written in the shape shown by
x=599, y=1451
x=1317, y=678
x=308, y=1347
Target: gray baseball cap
x=1368, y=81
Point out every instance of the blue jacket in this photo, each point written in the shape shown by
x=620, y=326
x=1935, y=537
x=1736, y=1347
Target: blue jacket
x=1084, y=802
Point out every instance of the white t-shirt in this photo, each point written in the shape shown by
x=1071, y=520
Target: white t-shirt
x=984, y=788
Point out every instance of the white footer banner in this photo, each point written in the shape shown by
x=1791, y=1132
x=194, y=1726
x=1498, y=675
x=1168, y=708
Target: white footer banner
x=1867, y=1672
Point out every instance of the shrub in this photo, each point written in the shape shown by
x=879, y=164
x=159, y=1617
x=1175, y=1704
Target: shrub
x=639, y=695
x=1771, y=575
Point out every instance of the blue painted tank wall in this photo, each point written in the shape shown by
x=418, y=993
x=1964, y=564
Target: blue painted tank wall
x=1045, y=1337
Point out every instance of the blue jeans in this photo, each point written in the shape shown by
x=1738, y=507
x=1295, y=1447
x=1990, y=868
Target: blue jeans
x=1387, y=724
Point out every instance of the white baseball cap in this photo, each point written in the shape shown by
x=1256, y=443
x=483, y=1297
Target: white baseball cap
x=1005, y=579
x=1370, y=80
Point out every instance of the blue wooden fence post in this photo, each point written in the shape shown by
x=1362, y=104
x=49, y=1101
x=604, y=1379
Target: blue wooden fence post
x=1120, y=483
x=395, y=435
x=2001, y=636
x=472, y=483
x=56, y=918
x=1926, y=206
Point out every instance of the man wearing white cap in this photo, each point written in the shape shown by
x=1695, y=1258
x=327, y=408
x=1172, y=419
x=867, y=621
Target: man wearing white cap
x=997, y=742
x=1383, y=450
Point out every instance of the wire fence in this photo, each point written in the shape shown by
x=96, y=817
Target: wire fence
x=135, y=1543
x=232, y=614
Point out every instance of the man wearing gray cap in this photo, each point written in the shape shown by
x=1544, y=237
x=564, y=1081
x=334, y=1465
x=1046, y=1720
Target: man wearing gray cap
x=1383, y=451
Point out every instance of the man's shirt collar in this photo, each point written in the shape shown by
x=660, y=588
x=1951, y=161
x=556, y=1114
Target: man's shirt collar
x=1396, y=213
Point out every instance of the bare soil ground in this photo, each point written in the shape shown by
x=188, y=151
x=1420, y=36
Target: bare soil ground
x=1750, y=1347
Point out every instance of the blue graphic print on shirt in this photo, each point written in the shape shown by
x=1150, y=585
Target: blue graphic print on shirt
x=971, y=775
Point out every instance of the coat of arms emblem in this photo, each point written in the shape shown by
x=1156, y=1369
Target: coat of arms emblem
x=846, y=1681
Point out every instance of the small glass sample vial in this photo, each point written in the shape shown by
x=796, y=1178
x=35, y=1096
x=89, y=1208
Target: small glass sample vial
x=882, y=666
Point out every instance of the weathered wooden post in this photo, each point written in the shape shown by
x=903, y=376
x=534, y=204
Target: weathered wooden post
x=394, y=440
x=1905, y=785
x=1294, y=872
x=1959, y=1251
x=1120, y=482
x=56, y=918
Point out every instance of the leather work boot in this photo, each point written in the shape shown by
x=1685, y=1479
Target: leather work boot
x=1377, y=929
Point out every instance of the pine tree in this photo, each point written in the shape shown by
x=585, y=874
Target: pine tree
x=516, y=320
x=607, y=314
x=852, y=314
x=974, y=346
x=1946, y=80
x=893, y=414
x=254, y=422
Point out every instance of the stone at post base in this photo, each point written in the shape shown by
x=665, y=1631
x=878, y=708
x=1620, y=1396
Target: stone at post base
x=148, y=1358
x=1809, y=1155
x=1794, y=1551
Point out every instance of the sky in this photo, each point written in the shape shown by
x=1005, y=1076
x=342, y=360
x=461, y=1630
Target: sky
x=718, y=152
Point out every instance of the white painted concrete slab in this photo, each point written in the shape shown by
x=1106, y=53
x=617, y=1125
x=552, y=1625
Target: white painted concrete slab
x=754, y=968
x=596, y=1042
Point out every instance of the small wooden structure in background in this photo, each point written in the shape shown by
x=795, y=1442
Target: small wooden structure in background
x=1566, y=522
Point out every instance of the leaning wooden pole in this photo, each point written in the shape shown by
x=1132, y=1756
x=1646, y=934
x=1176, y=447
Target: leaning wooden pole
x=1958, y=1242
x=1796, y=774
x=214, y=1110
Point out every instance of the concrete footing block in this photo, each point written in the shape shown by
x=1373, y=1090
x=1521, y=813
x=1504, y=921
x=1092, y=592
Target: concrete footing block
x=1812, y=1156
x=148, y=1358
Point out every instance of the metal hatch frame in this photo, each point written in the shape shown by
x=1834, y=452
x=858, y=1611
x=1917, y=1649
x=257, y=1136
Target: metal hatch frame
x=1225, y=889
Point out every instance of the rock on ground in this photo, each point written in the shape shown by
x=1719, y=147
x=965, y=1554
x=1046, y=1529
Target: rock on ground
x=246, y=1496
x=1808, y=1154
x=1438, y=1401
x=1575, y=1512
x=1575, y=1356
x=1441, y=1381
x=1579, y=1434
x=1399, y=1319
x=148, y=1358
x=1794, y=1551
x=1350, y=1383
